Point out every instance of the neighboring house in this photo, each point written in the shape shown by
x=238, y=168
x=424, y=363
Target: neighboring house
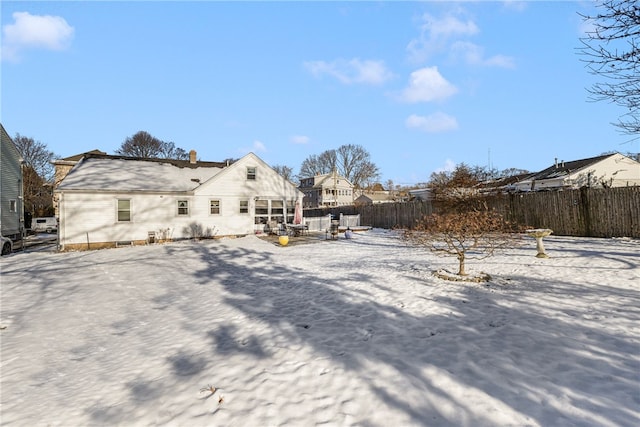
x=11, y=207
x=374, y=198
x=329, y=189
x=501, y=185
x=109, y=200
x=610, y=170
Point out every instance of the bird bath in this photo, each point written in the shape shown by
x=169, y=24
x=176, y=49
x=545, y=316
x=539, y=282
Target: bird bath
x=539, y=233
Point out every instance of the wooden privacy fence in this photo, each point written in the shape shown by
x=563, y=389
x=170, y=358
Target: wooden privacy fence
x=587, y=212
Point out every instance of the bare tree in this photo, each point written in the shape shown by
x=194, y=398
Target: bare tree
x=463, y=226
x=143, y=144
x=509, y=172
x=36, y=155
x=285, y=171
x=474, y=234
x=168, y=150
x=611, y=50
x=37, y=175
x=350, y=161
x=320, y=164
x=354, y=163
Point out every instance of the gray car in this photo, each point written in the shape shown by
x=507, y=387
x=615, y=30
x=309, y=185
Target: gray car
x=7, y=245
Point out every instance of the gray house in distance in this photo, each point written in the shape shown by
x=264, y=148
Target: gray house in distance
x=11, y=207
x=328, y=189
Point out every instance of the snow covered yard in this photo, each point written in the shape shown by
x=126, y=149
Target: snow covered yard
x=346, y=332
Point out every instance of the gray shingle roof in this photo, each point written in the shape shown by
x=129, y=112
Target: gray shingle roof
x=120, y=173
x=565, y=168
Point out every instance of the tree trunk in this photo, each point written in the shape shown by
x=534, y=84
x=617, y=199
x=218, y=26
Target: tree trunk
x=461, y=271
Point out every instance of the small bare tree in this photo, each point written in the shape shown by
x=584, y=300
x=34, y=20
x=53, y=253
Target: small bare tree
x=462, y=226
x=464, y=235
x=475, y=234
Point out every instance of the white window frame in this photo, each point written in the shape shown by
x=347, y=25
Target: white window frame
x=185, y=207
x=244, y=202
x=252, y=173
x=211, y=207
x=118, y=210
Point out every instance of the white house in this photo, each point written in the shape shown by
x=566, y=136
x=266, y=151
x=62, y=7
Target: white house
x=609, y=170
x=109, y=200
x=11, y=182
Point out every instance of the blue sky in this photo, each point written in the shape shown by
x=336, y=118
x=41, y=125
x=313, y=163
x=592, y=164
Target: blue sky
x=421, y=85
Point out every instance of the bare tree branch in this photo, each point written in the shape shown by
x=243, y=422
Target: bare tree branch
x=351, y=161
x=611, y=49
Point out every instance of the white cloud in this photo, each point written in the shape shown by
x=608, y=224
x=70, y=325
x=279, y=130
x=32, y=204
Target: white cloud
x=300, y=139
x=450, y=34
x=427, y=84
x=437, y=122
x=34, y=32
x=435, y=35
x=449, y=166
x=473, y=54
x=448, y=26
x=516, y=5
x=259, y=146
x=352, y=71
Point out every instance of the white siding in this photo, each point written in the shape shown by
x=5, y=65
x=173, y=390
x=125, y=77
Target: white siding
x=231, y=185
x=614, y=171
x=92, y=216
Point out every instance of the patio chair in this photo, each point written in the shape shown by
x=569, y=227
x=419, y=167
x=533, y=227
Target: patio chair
x=274, y=227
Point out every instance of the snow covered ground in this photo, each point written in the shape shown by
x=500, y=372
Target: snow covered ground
x=346, y=332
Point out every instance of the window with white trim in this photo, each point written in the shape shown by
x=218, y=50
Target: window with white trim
x=183, y=207
x=214, y=207
x=244, y=206
x=251, y=173
x=124, y=210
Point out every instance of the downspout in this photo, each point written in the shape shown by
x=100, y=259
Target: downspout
x=61, y=221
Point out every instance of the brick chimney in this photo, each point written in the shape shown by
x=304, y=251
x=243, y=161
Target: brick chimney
x=192, y=157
